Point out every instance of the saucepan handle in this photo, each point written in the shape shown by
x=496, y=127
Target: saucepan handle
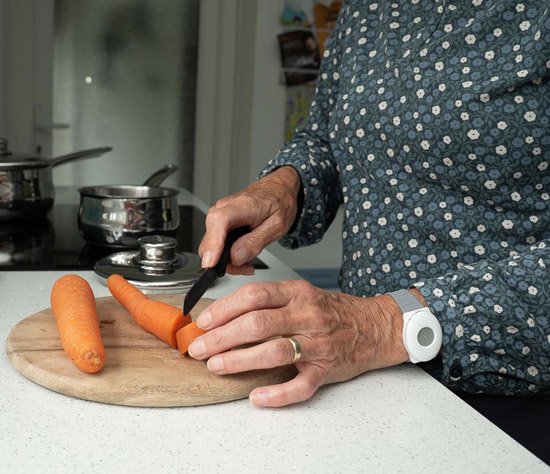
x=77, y=155
x=159, y=176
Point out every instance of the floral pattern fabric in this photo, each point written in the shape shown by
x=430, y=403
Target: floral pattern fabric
x=430, y=125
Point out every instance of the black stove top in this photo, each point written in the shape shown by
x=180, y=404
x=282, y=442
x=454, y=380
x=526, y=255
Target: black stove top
x=54, y=242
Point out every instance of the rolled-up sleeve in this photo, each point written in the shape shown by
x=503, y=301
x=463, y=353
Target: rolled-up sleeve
x=495, y=318
x=310, y=153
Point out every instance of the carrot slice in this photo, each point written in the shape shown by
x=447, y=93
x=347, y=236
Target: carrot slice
x=160, y=319
x=75, y=313
x=187, y=334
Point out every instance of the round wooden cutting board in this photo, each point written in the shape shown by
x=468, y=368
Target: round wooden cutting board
x=140, y=370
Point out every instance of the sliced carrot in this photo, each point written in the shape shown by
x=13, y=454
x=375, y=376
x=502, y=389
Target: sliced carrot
x=74, y=310
x=160, y=319
x=187, y=334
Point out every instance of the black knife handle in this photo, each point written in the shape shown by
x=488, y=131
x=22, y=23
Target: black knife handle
x=232, y=237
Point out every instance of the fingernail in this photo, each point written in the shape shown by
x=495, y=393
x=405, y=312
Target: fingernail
x=215, y=364
x=242, y=256
x=258, y=398
x=197, y=348
x=204, y=321
x=207, y=259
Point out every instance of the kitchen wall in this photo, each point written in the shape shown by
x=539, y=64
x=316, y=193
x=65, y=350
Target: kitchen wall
x=17, y=91
x=268, y=112
x=124, y=75
x=116, y=72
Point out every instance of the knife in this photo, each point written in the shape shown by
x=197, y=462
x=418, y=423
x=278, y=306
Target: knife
x=210, y=275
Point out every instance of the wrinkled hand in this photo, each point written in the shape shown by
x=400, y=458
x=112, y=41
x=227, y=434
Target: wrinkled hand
x=341, y=336
x=268, y=207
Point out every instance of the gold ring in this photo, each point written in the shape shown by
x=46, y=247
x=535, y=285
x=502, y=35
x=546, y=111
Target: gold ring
x=297, y=349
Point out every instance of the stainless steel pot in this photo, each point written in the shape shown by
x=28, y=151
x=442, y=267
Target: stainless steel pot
x=26, y=186
x=117, y=216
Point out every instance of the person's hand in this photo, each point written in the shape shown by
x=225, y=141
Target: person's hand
x=267, y=206
x=341, y=336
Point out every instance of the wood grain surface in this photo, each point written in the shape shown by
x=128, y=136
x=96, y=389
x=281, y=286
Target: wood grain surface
x=140, y=370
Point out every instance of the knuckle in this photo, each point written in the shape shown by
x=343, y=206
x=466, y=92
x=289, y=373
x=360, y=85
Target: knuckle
x=261, y=293
x=300, y=288
x=303, y=286
x=249, y=291
x=220, y=203
x=214, y=216
x=255, y=243
x=256, y=292
x=260, y=326
x=213, y=339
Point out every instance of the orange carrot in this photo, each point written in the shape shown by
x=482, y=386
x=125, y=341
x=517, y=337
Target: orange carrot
x=160, y=319
x=186, y=335
x=74, y=310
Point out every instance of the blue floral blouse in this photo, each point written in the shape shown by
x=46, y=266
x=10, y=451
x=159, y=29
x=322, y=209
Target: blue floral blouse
x=430, y=126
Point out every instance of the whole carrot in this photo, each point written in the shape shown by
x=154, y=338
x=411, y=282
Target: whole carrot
x=74, y=310
x=186, y=335
x=160, y=319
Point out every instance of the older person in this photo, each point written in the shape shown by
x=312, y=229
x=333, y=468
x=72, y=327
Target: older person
x=431, y=126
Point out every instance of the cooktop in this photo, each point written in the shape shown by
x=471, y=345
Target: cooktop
x=54, y=242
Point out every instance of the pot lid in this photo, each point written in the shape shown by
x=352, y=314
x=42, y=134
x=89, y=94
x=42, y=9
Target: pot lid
x=155, y=265
x=10, y=160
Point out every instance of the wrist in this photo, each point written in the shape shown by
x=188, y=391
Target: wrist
x=416, y=293
x=289, y=179
x=395, y=350
x=422, y=334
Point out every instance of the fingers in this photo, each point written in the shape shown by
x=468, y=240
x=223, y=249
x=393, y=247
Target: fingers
x=267, y=206
x=250, y=327
x=244, y=269
x=300, y=388
x=218, y=223
x=269, y=354
x=250, y=297
x=251, y=244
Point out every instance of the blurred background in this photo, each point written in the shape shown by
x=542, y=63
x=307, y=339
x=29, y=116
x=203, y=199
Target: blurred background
x=214, y=86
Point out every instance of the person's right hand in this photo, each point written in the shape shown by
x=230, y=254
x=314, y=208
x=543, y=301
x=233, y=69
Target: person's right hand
x=268, y=207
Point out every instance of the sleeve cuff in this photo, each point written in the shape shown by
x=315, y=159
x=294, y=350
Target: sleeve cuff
x=320, y=200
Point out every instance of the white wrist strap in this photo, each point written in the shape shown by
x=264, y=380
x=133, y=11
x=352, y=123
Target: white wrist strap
x=406, y=300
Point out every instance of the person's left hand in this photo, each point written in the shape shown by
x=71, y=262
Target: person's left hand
x=341, y=336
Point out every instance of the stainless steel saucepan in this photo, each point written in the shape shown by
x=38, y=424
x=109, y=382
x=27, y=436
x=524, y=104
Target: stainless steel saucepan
x=118, y=215
x=26, y=186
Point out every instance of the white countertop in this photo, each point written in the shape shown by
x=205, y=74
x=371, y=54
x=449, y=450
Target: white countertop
x=392, y=420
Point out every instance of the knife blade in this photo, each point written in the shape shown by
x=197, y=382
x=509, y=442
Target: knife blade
x=212, y=274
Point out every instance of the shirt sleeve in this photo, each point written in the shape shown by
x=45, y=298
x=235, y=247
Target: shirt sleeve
x=495, y=318
x=311, y=153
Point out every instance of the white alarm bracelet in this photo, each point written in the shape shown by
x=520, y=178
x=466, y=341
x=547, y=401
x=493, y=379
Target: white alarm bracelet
x=421, y=329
